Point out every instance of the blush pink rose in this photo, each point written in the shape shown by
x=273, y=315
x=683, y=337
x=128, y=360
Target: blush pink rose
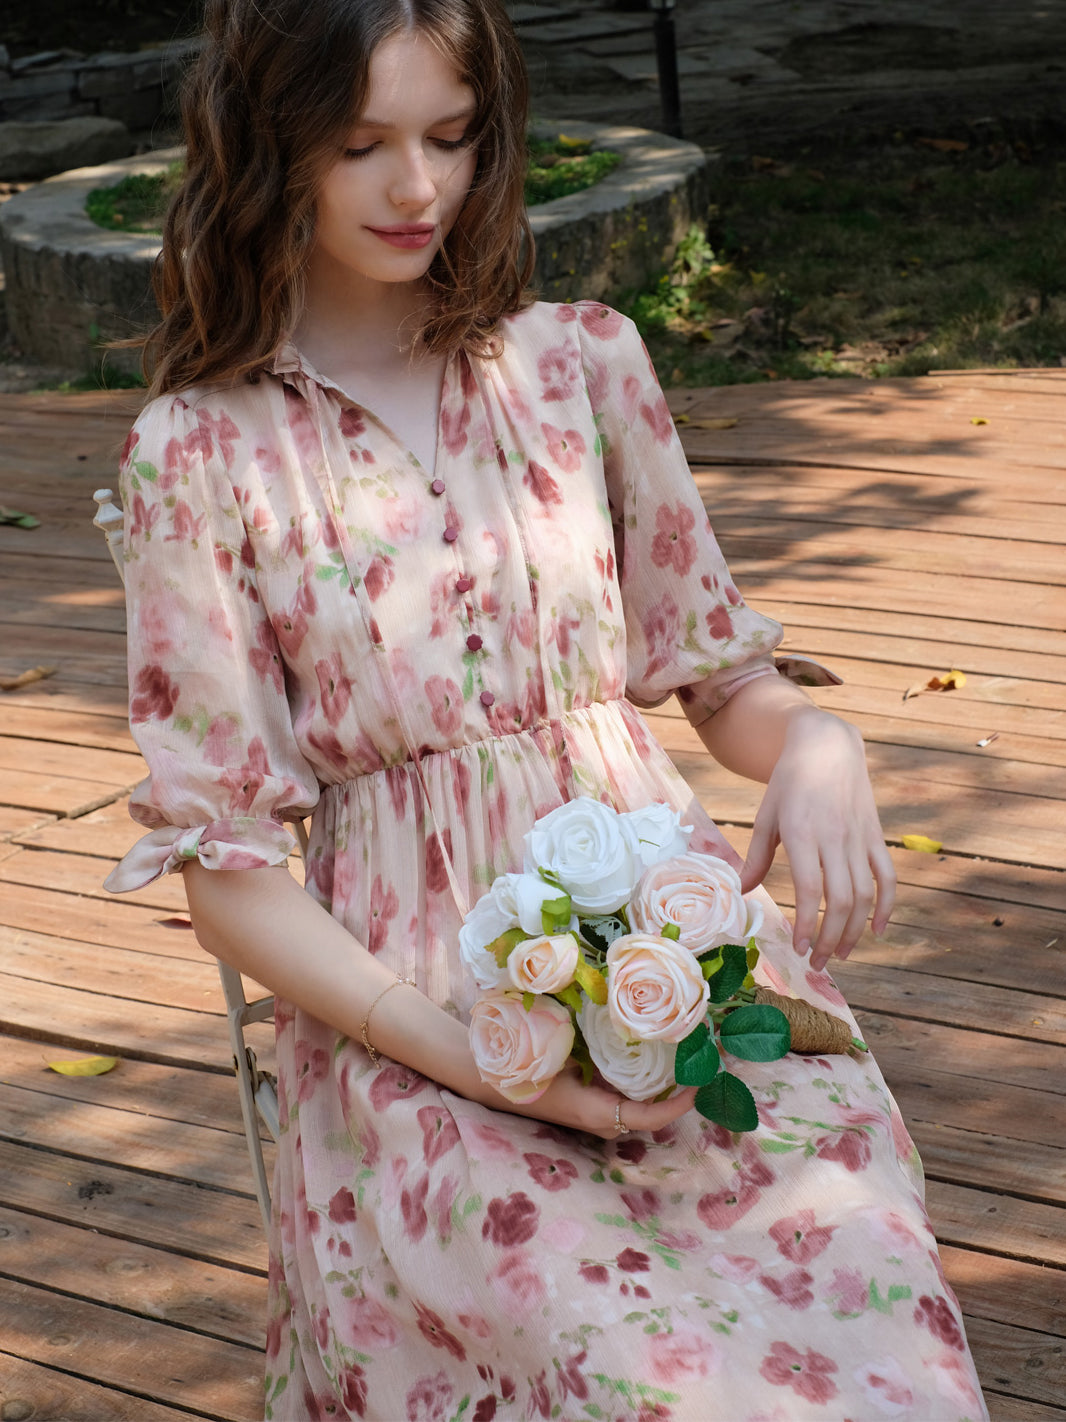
x=701, y=895
x=683, y=1356
x=544, y=964
x=655, y=988
x=518, y=1050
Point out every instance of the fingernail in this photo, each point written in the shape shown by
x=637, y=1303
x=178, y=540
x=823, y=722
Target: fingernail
x=803, y=946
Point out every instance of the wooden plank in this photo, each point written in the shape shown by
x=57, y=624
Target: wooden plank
x=958, y=1051
x=1007, y=1290
x=55, y=640
x=1018, y=1409
x=86, y=728
x=117, y=973
x=107, y=833
x=967, y=1103
x=1030, y=1170
x=997, y=1224
x=930, y=998
x=15, y=821
x=94, y=1024
x=74, y=762
x=174, y=1149
x=164, y=1092
x=1018, y=1360
x=123, y=1351
x=57, y=794
x=84, y=874
x=46, y=1395
x=109, y=922
x=189, y=1293
x=212, y=1225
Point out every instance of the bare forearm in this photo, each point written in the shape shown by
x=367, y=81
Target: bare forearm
x=261, y=922
x=748, y=734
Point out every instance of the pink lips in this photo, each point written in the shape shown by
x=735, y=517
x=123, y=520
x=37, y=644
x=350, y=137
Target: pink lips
x=409, y=236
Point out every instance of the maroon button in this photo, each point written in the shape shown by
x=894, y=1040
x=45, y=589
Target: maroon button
x=474, y=642
x=451, y=533
x=463, y=585
x=437, y=486
x=487, y=698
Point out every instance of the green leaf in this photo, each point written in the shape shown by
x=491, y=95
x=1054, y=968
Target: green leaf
x=671, y=930
x=726, y=982
x=600, y=930
x=555, y=914
x=756, y=1034
x=501, y=948
x=570, y=997
x=697, y=1059
x=528, y=999
x=728, y=1102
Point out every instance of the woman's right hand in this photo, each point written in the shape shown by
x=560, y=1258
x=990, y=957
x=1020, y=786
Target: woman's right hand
x=592, y=1109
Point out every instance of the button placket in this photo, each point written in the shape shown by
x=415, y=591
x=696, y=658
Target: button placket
x=463, y=585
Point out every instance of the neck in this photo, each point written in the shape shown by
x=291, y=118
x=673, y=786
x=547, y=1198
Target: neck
x=349, y=321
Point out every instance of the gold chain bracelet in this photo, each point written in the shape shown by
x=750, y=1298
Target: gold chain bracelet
x=364, y=1030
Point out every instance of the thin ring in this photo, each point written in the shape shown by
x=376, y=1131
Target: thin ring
x=619, y=1125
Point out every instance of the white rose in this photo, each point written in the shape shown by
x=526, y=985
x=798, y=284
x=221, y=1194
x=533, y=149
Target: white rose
x=655, y=833
x=701, y=894
x=523, y=895
x=655, y=988
x=639, y=1070
x=544, y=964
x=482, y=926
x=518, y=1050
x=582, y=843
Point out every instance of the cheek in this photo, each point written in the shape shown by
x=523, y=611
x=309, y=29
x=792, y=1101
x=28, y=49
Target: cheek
x=459, y=184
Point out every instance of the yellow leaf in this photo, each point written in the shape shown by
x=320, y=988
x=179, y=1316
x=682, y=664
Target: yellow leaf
x=948, y=682
x=922, y=843
x=724, y=423
x=978, y=420
x=85, y=1066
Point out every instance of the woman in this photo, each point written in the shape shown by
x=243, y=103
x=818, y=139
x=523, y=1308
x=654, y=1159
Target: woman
x=399, y=544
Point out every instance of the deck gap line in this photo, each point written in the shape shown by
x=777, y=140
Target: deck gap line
x=969, y=981
x=944, y=1238
x=1000, y=1193
x=130, y=1312
x=218, y=1016
x=116, y=1387
x=236, y=1131
x=998, y=1031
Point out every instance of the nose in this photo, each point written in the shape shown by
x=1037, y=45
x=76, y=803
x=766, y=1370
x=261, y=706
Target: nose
x=413, y=185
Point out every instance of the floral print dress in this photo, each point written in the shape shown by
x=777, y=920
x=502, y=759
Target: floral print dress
x=428, y=660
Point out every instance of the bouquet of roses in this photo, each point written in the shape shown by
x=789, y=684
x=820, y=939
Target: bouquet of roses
x=618, y=947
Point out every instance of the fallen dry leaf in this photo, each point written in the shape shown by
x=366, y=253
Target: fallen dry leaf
x=85, y=1066
x=922, y=843
x=725, y=423
x=944, y=145
x=978, y=420
x=948, y=682
x=174, y=922
x=26, y=678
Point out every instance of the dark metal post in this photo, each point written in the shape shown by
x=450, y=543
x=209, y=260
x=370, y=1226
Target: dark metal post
x=666, y=60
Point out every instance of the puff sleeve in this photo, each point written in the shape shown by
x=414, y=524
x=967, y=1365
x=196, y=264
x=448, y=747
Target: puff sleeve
x=208, y=704
x=687, y=627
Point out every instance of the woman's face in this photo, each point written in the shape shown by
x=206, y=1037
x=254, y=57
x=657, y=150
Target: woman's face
x=388, y=202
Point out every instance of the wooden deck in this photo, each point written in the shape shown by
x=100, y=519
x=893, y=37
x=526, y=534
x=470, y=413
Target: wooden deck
x=898, y=529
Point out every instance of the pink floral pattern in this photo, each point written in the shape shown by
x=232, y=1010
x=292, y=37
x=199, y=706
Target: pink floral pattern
x=309, y=612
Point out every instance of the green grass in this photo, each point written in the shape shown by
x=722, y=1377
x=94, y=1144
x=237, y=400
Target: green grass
x=556, y=167
x=894, y=261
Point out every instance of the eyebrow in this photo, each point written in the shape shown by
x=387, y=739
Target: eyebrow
x=468, y=113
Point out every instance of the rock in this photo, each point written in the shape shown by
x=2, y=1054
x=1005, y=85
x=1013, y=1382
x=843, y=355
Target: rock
x=30, y=151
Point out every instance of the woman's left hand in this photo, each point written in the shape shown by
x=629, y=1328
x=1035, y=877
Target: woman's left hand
x=819, y=806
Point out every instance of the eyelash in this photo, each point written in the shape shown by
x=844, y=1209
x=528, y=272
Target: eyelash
x=447, y=145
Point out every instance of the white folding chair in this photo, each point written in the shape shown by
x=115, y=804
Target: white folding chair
x=258, y=1092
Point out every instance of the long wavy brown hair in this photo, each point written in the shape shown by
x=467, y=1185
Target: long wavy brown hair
x=266, y=110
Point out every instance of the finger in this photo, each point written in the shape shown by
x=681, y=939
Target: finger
x=884, y=872
x=807, y=881
x=650, y=1115
x=863, y=894
x=761, y=851
x=839, y=902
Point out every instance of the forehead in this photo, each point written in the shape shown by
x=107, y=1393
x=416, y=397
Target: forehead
x=410, y=77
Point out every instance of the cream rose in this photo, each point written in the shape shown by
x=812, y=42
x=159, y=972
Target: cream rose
x=544, y=964
x=482, y=926
x=702, y=896
x=520, y=1051
x=582, y=843
x=655, y=833
x=639, y=1070
x=655, y=988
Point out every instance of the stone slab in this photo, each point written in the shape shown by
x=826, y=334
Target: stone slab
x=31, y=151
